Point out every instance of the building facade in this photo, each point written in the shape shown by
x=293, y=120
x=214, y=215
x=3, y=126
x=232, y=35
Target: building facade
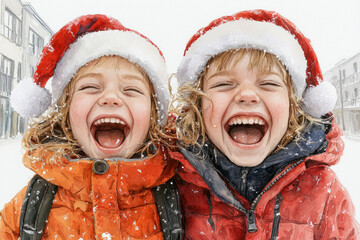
x=22, y=37
x=345, y=76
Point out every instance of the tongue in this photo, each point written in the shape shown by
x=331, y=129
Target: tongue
x=245, y=134
x=109, y=138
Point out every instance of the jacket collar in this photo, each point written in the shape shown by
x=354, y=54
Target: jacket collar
x=76, y=175
x=200, y=160
x=250, y=181
x=321, y=143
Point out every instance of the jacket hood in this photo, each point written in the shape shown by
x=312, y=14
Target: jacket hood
x=75, y=175
x=334, y=149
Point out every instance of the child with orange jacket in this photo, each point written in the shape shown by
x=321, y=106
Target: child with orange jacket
x=100, y=143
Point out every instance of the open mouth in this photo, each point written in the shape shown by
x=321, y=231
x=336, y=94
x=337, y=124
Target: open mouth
x=109, y=132
x=246, y=130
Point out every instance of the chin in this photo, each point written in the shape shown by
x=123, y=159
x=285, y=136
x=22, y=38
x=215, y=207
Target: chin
x=246, y=161
x=115, y=153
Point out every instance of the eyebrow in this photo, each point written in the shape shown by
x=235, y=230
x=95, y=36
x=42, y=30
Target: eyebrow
x=124, y=76
x=219, y=73
x=133, y=77
x=225, y=72
x=272, y=73
x=89, y=75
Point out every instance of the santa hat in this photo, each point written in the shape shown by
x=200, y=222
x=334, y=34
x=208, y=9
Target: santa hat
x=79, y=42
x=268, y=31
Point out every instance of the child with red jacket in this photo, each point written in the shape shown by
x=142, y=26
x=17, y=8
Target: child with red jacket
x=254, y=118
x=100, y=145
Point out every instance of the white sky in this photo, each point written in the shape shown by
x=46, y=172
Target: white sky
x=333, y=26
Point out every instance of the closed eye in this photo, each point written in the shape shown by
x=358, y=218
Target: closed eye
x=133, y=90
x=271, y=84
x=221, y=84
x=88, y=86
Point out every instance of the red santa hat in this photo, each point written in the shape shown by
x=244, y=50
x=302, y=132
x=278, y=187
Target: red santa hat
x=268, y=31
x=82, y=40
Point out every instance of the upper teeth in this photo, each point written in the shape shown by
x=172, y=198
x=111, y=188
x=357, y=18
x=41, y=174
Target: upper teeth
x=246, y=120
x=109, y=120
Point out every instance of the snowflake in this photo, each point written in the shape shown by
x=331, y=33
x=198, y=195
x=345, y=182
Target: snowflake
x=106, y=236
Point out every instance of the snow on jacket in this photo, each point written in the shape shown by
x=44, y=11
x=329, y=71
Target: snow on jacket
x=304, y=200
x=118, y=204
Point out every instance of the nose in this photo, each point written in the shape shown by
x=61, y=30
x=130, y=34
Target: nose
x=247, y=95
x=111, y=99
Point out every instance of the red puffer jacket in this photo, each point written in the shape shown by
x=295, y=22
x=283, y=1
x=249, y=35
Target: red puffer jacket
x=304, y=201
x=110, y=199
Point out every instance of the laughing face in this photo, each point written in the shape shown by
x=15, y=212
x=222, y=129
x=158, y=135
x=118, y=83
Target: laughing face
x=110, y=108
x=248, y=112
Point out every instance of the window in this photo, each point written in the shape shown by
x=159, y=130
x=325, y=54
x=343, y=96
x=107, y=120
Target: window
x=355, y=67
x=340, y=75
x=6, y=75
x=21, y=124
x=36, y=43
x=12, y=27
x=346, y=95
x=356, y=92
x=8, y=24
x=19, y=72
x=18, y=32
x=32, y=70
x=5, y=119
x=344, y=74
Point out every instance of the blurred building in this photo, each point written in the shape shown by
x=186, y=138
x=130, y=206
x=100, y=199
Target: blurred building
x=22, y=37
x=345, y=76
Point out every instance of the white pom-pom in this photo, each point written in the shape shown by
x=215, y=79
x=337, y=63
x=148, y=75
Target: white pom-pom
x=28, y=99
x=320, y=100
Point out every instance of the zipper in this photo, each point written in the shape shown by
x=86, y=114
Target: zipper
x=251, y=213
x=277, y=217
x=244, y=175
x=251, y=221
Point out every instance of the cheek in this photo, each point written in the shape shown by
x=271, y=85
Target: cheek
x=206, y=109
x=74, y=115
x=78, y=112
x=206, y=106
x=141, y=111
x=215, y=108
x=213, y=112
x=280, y=111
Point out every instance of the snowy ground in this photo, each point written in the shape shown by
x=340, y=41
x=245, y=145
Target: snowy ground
x=14, y=176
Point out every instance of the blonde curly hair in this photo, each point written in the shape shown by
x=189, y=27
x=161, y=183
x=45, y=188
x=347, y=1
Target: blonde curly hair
x=186, y=104
x=52, y=130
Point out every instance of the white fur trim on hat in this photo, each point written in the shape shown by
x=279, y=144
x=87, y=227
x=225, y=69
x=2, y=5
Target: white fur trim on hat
x=126, y=44
x=245, y=33
x=319, y=100
x=28, y=99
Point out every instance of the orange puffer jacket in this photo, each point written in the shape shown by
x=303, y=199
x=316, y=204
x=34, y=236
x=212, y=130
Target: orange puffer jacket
x=117, y=204
x=305, y=200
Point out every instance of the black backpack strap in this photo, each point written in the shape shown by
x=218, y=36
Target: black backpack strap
x=168, y=204
x=36, y=207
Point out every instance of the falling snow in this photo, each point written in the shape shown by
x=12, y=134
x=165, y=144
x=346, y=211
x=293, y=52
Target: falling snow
x=11, y=162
